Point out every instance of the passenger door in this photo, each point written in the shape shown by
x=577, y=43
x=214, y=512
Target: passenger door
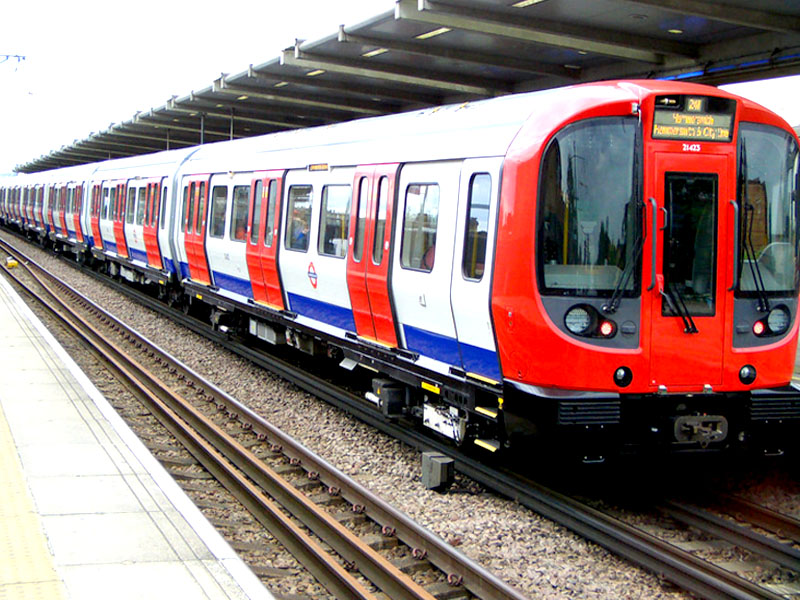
x=262, y=243
x=472, y=267
x=119, y=220
x=369, y=257
x=423, y=259
x=691, y=198
x=153, y=195
x=194, y=228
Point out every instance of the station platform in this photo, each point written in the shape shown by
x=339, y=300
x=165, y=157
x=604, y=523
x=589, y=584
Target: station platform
x=86, y=512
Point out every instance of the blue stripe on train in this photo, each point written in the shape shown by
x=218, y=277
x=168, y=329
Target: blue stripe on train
x=338, y=316
x=138, y=254
x=446, y=349
x=233, y=284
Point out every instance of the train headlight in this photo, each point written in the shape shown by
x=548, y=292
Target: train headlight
x=579, y=320
x=607, y=328
x=747, y=374
x=778, y=320
x=759, y=328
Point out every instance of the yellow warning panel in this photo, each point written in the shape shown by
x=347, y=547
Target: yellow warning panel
x=26, y=568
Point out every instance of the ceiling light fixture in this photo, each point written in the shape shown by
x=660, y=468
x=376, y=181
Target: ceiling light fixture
x=315, y=73
x=524, y=3
x=375, y=52
x=434, y=33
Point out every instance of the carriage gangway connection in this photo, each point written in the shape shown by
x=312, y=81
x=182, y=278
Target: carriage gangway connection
x=85, y=510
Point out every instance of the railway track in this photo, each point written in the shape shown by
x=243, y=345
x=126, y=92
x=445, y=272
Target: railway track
x=677, y=565
x=327, y=509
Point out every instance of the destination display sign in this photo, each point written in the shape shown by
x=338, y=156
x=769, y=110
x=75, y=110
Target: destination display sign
x=697, y=118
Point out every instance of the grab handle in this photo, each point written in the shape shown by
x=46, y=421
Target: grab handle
x=735, y=206
x=654, y=234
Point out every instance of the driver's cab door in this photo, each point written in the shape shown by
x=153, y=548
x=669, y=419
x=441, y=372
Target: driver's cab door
x=690, y=218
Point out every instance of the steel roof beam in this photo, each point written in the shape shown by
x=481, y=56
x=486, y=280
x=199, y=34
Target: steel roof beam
x=174, y=106
x=747, y=17
x=419, y=77
x=110, y=145
x=475, y=58
x=166, y=123
x=390, y=93
x=224, y=87
x=314, y=117
x=577, y=37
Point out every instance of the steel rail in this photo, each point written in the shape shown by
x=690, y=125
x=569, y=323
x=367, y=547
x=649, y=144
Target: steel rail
x=182, y=420
x=735, y=533
x=641, y=548
x=778, y=523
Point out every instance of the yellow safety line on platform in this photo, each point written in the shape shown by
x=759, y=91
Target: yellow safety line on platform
x=26, y=567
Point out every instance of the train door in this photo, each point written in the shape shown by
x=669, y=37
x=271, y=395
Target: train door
x=262, y=243
x=94, y=218
x=150, y=233
x=77, y=211
x=472, y=261
x=368, y=260
x=194, y=228
x=165, y=249
x=423, y=259
x=107, y=202
x=687, y=221
x=69, y=216
x=119, y=220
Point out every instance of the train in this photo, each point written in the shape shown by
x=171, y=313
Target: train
x=602, y=269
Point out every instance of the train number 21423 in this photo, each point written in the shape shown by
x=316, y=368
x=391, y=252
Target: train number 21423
x=691, y=147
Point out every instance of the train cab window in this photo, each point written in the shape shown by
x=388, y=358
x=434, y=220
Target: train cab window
x=588, y=223
x=219, y=204
x=241, y=200
x=130, y=209
x=163, y=207
x=477, y=226
x=421, y=220
x=255, y=221
x=140, y=206
x=361, y=220
x=298, y=217
x=380, y=220
x=272, y=198
x=769, y=250
x=689, y=243
x=335, y=220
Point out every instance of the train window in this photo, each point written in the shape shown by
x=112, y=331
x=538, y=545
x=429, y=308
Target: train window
x=298, y=216
x=380, y=220
x=361, y=221
x=335, y=220
x=154, y=206
x=477, y=226
x=768, y=254
x=130, y=210
x=201, y=207
x=241, y=200
x=78, y=198
x=163, y=207
x=190, y=202
x=589, y=221
x=255, y=222
x=219, y=204
x=689, y=243
x=418, y=249
x=112, y=201
x=271, y=200
x=140, y=206
x=185, y=211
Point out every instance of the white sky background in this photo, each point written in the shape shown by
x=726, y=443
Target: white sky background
x=90, y=63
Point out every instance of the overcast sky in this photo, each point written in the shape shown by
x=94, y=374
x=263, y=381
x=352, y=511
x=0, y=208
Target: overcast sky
x=89, y=63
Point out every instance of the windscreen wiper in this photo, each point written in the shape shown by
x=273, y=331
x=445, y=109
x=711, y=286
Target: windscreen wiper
x=678, y=306
x=616, y=296
x=747, y=224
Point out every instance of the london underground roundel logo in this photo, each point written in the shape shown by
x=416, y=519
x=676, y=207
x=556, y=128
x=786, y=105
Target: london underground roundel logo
x=312, y=275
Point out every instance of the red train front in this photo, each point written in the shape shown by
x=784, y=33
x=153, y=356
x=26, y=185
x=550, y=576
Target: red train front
x=646, y=283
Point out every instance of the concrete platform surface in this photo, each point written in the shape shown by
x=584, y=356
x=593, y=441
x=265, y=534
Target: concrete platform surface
x=85, y=510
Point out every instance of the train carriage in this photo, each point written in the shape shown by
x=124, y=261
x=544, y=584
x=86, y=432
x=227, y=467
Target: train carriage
x=607, y=267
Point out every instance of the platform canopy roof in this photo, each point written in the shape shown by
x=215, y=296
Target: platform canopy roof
x=431, y=52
